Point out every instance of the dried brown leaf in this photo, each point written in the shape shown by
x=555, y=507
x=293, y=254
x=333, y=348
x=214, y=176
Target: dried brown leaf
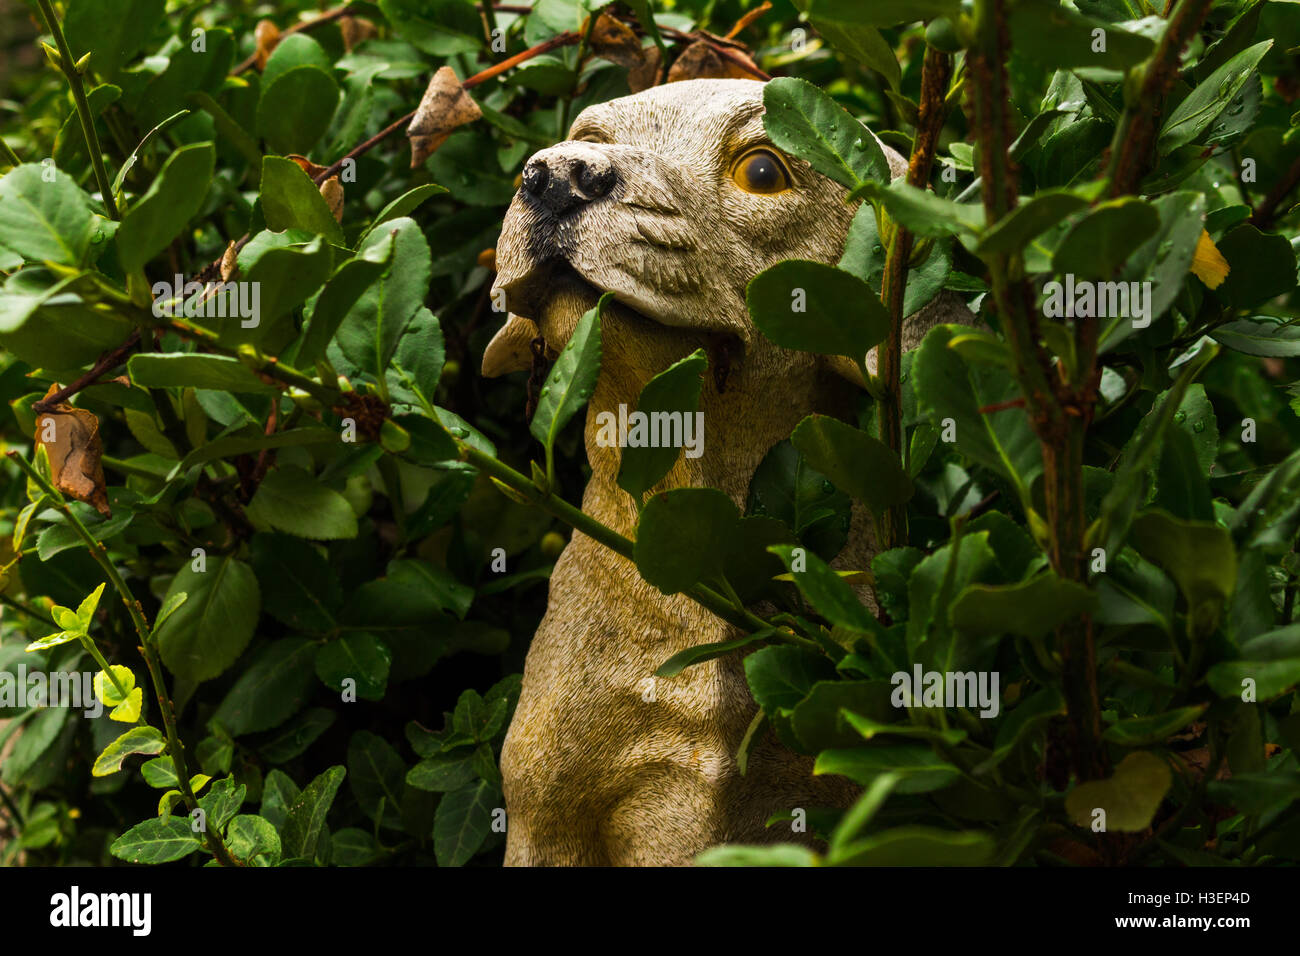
x=332, y=190
x=266, y=35
x=70, y=437
x=229, y=260
x=701, y=61
x=355, y=31
x=444, y=107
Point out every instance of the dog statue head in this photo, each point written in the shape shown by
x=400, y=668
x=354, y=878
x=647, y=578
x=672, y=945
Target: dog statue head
x=672, y=199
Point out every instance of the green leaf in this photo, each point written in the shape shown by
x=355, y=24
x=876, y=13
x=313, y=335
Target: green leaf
x=254, y=840
x=106, y=690
x=1130, y=796
x=1256, y=792
x=158, y=840
x=917, y=846
x=128, y=711
x=290, y=499
x=373, y=328
x=1260, y=335
x=817, y=308
x=45, y=221
x=865, y=257
x=780, y=676
x=1029, y=220
x=408, y=202
x=462, y=822
x=571, y=380
x=1165, y=258
x=1027, y=609
x=787, y=488
x=856, y=462
x=673, y=393
x=1026, y=717
x=826, y=590
x=1262, y=266
x=271, y=689
x=210, y=630
x=780, y=854
x=160, y=215
x=193, y=370
x=362, y=657
x=1139, y=453
x=294, y=737
x=377, y=776
x=843, y=29
x=137, y=740
x=443, y=772
x=294, y=50
x=222, y=801
x=1099, y=243
x=418, y=361
x=1271, y=661
x=918, y=769
x=296, y=107
x=678, y=537
x=949, y=388
x=1060, y=39
x=285, y=278
x=306, y=819
x=1198, y=555
x=805, y=122
x=1144, y=731
x=188, y=71
x=1210, y=98
x=707, y=652
x=922, y=212
x=115, y=30
x=345, y=287
x=290, y=200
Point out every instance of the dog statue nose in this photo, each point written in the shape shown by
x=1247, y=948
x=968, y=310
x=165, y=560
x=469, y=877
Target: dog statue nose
x=562, y=180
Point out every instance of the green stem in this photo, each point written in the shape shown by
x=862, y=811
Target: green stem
x=29, y=611
x=935, y=73
x=99, y=552
x=599, y=532
x=69, y=68
x=8, y=155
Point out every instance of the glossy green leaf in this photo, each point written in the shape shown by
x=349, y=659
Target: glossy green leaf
x=814, y=307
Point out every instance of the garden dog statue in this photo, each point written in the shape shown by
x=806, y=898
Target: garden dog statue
x=671, y=199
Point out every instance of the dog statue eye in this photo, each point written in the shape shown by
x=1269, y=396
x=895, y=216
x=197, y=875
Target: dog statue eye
x=760, y=171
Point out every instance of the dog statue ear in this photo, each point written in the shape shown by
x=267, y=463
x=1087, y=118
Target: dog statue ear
x=509, y=349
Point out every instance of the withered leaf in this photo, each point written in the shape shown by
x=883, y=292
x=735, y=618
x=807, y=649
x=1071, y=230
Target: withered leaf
x=266, y=35
x=229, y=260
x=355, y=31
x=444, y=107
x=701, y=61
x=332, y=190
x=614, y=40
x=70, y=437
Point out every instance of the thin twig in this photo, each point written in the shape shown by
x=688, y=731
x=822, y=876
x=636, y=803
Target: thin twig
x=936, y=71
x=71, y=71
x=109, y=360
x=326, y=17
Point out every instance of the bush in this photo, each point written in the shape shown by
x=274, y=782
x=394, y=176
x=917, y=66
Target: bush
x=283, y=551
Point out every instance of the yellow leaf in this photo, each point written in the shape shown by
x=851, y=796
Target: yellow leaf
x=1208, y=263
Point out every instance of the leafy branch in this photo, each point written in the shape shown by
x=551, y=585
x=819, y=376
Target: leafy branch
x=62, y=58
x=99, y=551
